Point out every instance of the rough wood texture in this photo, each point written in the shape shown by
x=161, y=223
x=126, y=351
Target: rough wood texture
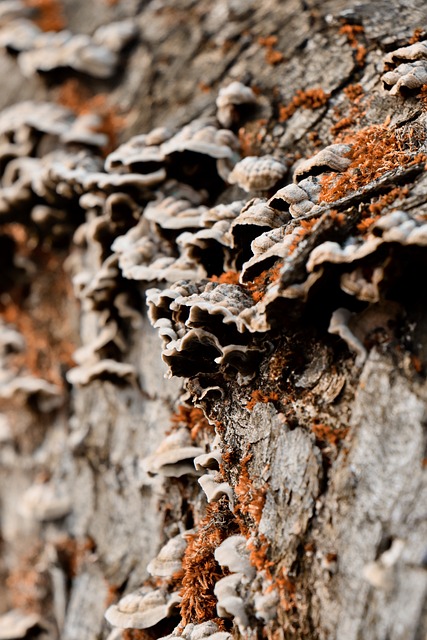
x=323, y=452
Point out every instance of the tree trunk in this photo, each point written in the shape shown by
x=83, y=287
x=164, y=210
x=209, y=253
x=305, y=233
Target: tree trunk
x=293, y=329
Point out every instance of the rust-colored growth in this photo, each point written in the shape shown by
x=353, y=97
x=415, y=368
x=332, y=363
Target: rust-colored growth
x=201, y=571
x=259, y=284
x=353, y=32
x=354, y=92
x=287, y=591
x=330, y=435
x=309, y=99
x=303, y=231
x=375, y=150
x=272, y=55
x=194, y=419
x=28, y=584
x=250, y=138
x=259, y=396
x=228, y=277
x=398, y=193
x=72, y=553
x=112, y=593
x=258, y=556
x=50, y=15
x=423, y=97
x=249, y=499
x=417, y=35
x=76, y=97
x=40, y=319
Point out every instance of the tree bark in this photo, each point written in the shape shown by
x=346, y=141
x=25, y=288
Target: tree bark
x=322, y=436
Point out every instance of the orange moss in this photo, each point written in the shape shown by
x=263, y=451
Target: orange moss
x=201, y=571
x=272, y=56
x=423, y=97
x=306, y=226
x=76, y=97
x=259, y=284
x=50, y=15
x=324, y=433
x=228, y=277
x=258, y=555
x=353, y=32
x=192, y=418
x=416, y=36
x=309, y=99
x=354, y=92
x=287, y=591
x=375, y=150
x=259, y=396
x=388, y=198
x=249, y=499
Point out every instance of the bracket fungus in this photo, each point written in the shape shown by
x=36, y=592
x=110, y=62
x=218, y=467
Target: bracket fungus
x=142, y=609
x=255, y=173
x=169, y=559
x=174, y=457
x=230, y=101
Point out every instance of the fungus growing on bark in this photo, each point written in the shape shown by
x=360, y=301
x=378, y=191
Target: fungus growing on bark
x=230, y=100
x=331, y=158
x=105, y=370
x=169, y=559
x=39, y=51
x=255, y=173
x=230, y=603
x=233, y=554
x=16, y=624
x=174, y=457
x=339, y=325
x=142, y=609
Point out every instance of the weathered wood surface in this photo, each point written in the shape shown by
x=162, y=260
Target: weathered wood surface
x=333, y=451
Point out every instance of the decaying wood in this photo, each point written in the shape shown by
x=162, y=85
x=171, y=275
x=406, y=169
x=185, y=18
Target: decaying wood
x=316, y=431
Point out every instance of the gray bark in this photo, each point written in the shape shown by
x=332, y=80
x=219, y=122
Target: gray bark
x=335, y=502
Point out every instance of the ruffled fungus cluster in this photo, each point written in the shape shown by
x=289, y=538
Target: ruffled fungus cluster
x=221, y=248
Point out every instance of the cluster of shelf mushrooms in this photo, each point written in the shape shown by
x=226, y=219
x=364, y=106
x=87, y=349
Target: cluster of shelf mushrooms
x=219, y=234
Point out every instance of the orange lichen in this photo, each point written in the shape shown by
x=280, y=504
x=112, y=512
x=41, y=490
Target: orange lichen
x=50, y=15
x=331, y=435
x=309, y=99
x=192, y=418
x=76, y=97
x=375, y=150
x=201, y=571
x=259, y=396
x=272, y=56
x=353, y=33
x=259, y=284
x=228, y=277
